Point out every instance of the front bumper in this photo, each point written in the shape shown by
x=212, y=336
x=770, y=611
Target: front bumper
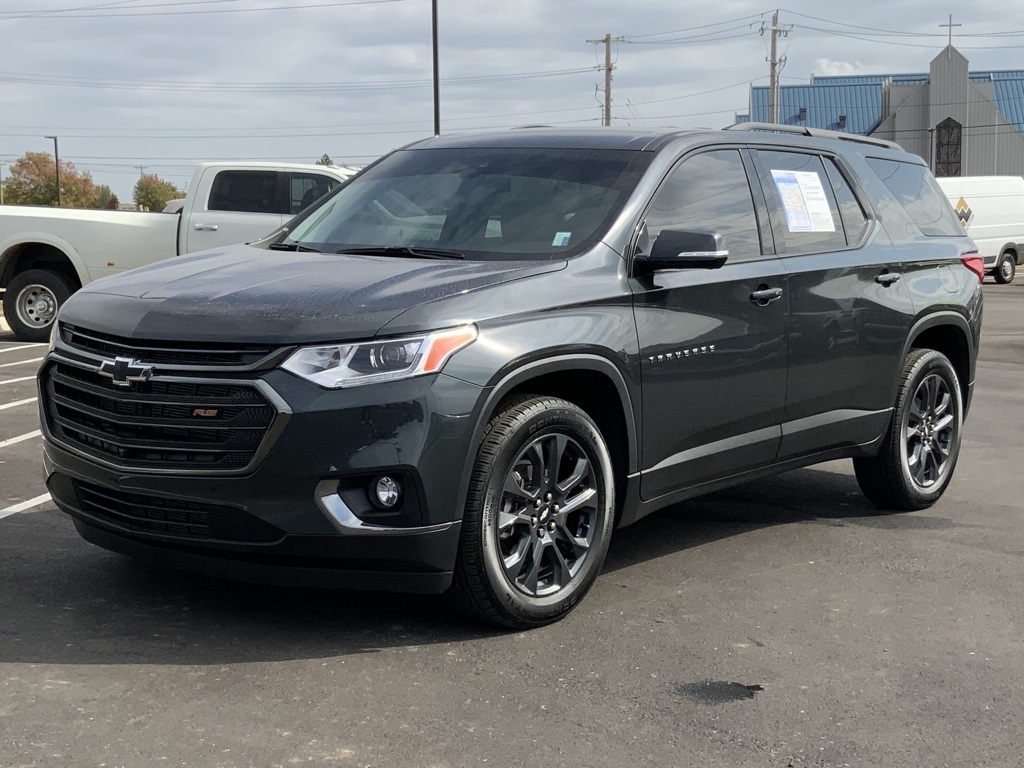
x=301, y=516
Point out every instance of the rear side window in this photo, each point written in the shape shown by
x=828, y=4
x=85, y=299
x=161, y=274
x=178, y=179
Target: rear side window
x=807, y=216
x=919, y=194
x=708, y=191
x=248, y=191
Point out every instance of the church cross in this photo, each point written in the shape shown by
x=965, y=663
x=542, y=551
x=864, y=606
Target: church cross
x=950, y=27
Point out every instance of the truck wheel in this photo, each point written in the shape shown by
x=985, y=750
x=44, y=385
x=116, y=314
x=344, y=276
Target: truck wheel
x=539, y=515
x=1006, y=268
x=920, y=450
x=31, y=302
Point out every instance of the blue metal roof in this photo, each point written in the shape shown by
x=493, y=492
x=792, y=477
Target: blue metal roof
x=862, y=105
x=859, y=97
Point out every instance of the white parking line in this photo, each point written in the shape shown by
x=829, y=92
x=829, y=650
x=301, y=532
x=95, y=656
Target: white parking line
x=15, y=381
x=20, y=438
x=21, y=507
x=16, y=403
x=20, y=346
x=22, y=362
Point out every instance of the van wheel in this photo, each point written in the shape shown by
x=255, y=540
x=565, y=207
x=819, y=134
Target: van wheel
x=31, y=302
x=923, y=441
x=1006, y=268
x=539, y=515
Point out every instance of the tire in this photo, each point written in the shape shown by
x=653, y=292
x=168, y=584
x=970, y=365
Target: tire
x=1006, y=268
x=922, y=444
x=524, y=559
x=31, y=302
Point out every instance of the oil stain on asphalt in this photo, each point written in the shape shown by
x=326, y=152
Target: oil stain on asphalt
x=715, y=692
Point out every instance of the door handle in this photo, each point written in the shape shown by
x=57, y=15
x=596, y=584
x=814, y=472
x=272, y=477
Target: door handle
x=764, y=295
x=887, y=278
x=206, y=227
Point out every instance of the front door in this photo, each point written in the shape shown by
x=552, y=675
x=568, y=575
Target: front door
x=712, y=341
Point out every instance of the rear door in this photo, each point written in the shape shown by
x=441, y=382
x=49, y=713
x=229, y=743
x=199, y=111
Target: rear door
x=241, y=205
x=849, y=306
x=713, y=355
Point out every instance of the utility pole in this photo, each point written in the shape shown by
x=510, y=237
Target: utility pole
x=56, y=163
x=606, y=117
x=437, y=89
x=141, y=168
x=775, y=65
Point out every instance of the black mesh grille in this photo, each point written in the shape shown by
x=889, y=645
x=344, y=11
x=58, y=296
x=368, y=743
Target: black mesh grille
x=156, y=424
x=163, y=352
x=180, y=518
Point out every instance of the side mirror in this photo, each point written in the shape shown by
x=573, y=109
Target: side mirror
x=684, y=249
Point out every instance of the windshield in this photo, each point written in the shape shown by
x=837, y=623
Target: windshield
x=480, y=203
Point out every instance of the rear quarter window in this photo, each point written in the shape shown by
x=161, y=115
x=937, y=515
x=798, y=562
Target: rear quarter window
x=920, y=195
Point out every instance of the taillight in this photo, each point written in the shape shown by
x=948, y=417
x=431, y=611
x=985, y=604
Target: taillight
x=974, y=262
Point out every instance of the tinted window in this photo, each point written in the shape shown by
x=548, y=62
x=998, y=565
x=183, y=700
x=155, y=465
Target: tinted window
x=807, y=217
x=484, y=203
x=920, y=195
x=708, y=191
x=854, y=219
x=249, y=191
x=307, y=188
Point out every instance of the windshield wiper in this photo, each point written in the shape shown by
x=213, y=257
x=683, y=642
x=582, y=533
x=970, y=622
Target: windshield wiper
x=403, y=250
x=292, y=247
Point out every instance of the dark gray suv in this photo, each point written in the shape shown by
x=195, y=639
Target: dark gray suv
x=465, y=367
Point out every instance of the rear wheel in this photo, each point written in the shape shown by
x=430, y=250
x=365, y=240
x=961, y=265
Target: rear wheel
x=31, y=302
x=1006, y=268
x=539, y=515
x=919, y=454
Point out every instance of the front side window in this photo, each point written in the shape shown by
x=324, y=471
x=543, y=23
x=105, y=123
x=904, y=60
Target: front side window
x=920, y=195
x=488, y=203
x=306, y=189
x=806, y=218
x=708, y=191
x=248, y=191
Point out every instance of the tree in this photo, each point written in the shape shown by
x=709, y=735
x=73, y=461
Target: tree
x=152, y=192
x=33, y=182
x=103, y=197
x=325, y=159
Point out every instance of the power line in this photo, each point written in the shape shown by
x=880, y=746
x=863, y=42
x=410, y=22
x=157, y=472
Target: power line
x=71, y=13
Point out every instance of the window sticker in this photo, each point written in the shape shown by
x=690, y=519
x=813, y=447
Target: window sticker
x=561, y=239
x=803, y=198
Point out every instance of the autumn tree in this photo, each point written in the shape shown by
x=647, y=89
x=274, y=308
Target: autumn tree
x=152, y=192
x=325, y=159
x=33, y=182
x=104, y=196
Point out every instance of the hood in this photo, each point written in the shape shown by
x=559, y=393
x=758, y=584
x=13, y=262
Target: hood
x=249, y=294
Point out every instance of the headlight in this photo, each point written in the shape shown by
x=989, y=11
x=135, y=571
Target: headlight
x=349, y=365
x=54, y=335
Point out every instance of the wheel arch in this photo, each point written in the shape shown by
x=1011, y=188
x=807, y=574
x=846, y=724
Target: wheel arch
x=950, y=334
x=589, y=381
x=41, y=251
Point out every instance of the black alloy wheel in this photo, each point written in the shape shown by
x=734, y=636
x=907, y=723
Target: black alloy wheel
x=539, y=515
x=920, y=449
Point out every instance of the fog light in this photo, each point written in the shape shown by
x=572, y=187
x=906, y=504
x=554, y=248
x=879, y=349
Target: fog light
x=386, y=492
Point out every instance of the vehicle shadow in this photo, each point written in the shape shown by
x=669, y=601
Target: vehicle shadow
x=66, y=602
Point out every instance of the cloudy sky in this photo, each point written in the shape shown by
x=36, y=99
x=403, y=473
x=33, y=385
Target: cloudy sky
x=168, y=83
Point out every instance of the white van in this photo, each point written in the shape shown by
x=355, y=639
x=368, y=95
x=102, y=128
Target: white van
x=991, y=209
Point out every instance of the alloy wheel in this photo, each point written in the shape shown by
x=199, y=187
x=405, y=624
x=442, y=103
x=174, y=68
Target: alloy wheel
x=930, y=433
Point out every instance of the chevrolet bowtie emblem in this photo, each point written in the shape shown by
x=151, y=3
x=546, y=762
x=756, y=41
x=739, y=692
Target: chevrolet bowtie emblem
x=125, y=370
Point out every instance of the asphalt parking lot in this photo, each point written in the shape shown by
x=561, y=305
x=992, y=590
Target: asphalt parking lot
x=781, y=623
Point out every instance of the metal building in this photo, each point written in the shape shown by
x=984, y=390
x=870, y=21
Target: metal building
x=963, y=123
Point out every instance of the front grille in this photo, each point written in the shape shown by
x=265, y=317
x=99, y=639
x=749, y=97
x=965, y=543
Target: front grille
x=163, y=352
x=162, y=424
x=181, y=518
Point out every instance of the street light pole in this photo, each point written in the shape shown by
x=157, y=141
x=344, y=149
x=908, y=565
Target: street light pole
x=56, y=162
x=437, y=91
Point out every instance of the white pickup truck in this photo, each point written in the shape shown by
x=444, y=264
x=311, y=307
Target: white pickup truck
x=48, y=253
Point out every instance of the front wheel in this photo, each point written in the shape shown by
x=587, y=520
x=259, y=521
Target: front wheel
x=31, y=302
x=1006, y=268
x=539, y=515
x=919, y=454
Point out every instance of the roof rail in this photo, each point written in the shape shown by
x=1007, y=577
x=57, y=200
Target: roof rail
x=818, y=133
